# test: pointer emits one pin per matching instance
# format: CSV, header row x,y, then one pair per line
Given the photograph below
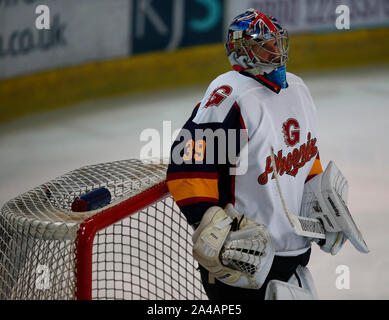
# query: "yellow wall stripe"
x,y
189,66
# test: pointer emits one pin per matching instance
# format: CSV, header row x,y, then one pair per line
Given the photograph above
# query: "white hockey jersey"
x,y
285,121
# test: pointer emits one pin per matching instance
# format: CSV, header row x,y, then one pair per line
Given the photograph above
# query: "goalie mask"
x,y
256,43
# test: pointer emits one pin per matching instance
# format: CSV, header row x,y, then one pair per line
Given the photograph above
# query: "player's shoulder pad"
x,y
220,96
296,83
293,79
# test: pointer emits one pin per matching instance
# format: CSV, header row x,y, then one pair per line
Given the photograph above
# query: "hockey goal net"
x,y
136,247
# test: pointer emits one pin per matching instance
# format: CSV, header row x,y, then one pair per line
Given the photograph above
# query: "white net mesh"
x,y
145,255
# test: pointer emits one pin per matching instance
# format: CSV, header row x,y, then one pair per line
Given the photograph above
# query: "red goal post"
x,y
137,247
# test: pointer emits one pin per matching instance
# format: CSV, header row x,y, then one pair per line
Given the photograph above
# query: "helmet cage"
x,y
278,57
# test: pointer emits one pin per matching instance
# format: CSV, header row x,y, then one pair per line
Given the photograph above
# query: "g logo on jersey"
x,y
218,95
291,131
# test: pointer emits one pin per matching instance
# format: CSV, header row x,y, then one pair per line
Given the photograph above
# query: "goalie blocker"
x,y
325,199
236,250
324,213
240,254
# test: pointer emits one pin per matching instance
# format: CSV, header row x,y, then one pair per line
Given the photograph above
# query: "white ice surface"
x,y
353,109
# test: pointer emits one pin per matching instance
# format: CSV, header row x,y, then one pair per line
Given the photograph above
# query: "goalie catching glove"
x,y
237,251
325,198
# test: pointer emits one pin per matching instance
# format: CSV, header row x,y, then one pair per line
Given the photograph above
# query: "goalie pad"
x,y
325,198
237,251
299,287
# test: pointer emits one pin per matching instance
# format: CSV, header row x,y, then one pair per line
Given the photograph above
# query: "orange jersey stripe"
x,y
196,200
182,189
316,168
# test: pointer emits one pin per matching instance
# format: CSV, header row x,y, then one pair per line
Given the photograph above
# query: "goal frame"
x,y
103,219
137,246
